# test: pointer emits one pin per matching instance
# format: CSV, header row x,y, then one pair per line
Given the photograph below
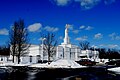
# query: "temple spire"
x,y
66,39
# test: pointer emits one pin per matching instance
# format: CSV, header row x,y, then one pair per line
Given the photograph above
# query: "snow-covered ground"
x,y
116,70
62,63
20,65
39,65
12,64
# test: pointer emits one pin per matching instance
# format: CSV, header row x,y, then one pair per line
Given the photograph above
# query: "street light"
x,y
42,51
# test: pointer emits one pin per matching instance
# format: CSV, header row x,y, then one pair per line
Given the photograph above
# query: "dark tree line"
x,y
103,52
108,53
5,50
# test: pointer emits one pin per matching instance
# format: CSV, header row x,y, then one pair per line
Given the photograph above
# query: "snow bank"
x,y
2,65
116,70
13,64
62,63
39,65
20,65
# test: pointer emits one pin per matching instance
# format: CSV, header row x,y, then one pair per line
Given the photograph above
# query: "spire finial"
x,y
67,26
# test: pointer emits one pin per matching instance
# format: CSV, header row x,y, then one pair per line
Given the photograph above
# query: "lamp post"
x,y
94,54
42,51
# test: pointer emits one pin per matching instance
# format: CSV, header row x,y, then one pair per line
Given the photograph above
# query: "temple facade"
x,y
69,51
65,50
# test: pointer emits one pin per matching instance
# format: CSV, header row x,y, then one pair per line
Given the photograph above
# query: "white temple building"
x,y
65,50
69,51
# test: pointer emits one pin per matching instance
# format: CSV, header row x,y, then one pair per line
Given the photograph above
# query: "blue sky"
x,y
96,21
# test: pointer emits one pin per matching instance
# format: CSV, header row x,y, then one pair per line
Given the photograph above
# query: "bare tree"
x,y
49,44
19,39
13,34
84,45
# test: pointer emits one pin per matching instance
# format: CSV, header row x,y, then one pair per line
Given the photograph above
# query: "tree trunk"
x,y
18,59
13,58
48,57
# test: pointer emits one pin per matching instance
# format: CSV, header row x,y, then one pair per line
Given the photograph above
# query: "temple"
x,y
65,50
69,51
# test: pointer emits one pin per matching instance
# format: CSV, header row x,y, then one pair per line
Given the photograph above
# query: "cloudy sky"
x,y
96,21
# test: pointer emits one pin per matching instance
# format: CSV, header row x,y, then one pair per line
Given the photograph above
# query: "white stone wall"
x,y
25,59
34,50
89,54
66,53
72,55
69,52
59,52
4,58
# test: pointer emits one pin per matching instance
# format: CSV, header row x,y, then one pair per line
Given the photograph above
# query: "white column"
x,y
87,52
76,54
57,56
42,50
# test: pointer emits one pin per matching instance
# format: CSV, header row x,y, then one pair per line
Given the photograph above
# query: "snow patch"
x,y
62,63
116,70
39,65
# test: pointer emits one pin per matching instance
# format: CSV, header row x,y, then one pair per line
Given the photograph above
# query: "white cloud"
x,y
102,45
88,4
62,2
98,36
113,46
109,1
82,27
109,46
40,39
4,31
84,38
89,28
117,38
75,31
94,46
114,36
60,37
85,4
86,27
51,29
34,27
